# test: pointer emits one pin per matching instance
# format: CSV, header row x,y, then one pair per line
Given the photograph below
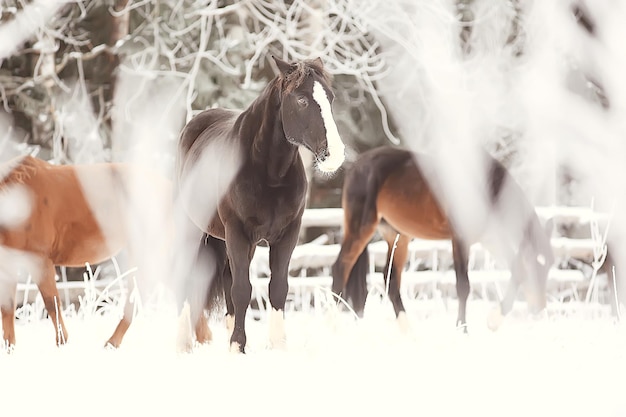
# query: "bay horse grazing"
x,y
68,215
390,189
265,196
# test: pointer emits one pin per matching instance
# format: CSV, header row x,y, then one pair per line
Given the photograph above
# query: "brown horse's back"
x,y
78,213
407,203
61,226
385,183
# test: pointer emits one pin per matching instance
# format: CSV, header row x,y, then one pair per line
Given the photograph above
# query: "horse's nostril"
x,y
324,154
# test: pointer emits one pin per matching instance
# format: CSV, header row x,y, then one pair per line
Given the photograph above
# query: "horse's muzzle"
x,y
328,161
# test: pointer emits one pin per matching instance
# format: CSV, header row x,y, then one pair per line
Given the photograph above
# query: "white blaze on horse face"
x,y
336,147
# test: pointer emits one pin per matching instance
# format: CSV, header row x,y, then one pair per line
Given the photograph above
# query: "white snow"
x,y
568,364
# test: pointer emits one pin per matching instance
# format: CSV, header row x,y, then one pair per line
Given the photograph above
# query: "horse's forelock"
x,y
300,71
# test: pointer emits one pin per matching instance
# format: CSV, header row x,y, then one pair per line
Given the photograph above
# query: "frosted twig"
x,y
60,334
393,251
600,250
618,308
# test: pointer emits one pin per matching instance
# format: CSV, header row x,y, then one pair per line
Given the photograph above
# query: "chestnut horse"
x,y
264,186
69,215
391,189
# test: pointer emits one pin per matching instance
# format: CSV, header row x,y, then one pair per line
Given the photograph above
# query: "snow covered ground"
x,y
568,364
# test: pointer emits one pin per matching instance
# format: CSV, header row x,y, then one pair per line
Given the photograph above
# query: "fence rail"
x,y
317,255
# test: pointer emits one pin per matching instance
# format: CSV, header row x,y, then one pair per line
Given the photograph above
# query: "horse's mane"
x,y
18,170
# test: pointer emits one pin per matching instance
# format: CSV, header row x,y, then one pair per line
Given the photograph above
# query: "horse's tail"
x,y
215,298
201,289
356,287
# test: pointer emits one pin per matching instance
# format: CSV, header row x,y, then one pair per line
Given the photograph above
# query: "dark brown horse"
x,y
69,215
399,192
262,189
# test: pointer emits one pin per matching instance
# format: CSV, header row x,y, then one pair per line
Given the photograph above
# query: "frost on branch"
x,y
217,52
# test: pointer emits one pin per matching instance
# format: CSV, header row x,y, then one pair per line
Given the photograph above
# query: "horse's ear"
x,y
318,62
283,66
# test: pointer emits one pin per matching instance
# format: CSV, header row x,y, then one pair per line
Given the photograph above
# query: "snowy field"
x,y
549,100
569,364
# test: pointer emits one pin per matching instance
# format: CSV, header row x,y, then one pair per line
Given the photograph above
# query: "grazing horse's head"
x,y
306,113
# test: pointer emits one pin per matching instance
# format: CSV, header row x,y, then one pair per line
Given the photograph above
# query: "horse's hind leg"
x,y
230,307
7,307
124,324
50,294
359,228
460,255
212,258
496,316
396,257
118,334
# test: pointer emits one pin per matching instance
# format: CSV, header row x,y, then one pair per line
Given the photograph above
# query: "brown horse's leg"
x,y
122,327
460,255
354,243
124,324
50,294
7,307
400,255
203,332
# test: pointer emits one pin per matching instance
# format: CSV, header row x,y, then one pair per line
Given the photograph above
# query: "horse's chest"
x,y
266,211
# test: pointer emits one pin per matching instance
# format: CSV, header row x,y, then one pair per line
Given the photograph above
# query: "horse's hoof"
x,y
278,344
181,350
540,315
205,339
61,337
184,332
461,327
495,318
109,345
278,338
205,336
403,323
230,324
236,348
9,348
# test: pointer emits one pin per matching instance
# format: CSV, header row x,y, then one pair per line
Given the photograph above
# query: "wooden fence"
x,y
427,272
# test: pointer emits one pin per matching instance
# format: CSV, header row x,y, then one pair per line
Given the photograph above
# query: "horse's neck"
x,y
270,151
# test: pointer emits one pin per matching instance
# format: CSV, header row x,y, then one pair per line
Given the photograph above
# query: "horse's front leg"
x,y
496,316
280,255
7,307
240,251
50,294
461,259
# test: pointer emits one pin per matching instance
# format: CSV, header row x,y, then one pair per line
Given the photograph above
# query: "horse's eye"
x,y
302,101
